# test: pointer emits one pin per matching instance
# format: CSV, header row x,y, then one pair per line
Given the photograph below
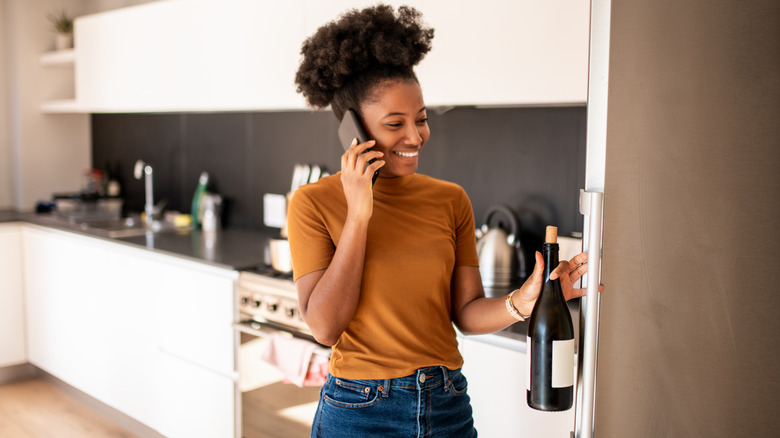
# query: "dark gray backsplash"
x,y
531,159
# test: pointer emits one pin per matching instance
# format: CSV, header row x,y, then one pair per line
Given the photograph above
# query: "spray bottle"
x,y
199,192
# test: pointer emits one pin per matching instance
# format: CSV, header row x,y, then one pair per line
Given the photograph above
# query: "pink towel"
x,y
295,358
318,371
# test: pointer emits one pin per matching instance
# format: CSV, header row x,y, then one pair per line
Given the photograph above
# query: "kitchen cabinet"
x,y
498,377
12,351
189,56
62,64
122,324
506,52
242,55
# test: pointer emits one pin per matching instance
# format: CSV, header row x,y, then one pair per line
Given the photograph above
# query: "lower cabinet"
x,y
12,350
193,401
498,376
148,334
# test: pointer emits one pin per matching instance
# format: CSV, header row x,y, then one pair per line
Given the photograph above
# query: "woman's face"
x,y
398,122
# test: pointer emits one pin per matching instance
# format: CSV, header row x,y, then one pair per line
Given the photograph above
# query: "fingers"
x,y
575,293
579,259
560,270
576,267
571,294
357,157
538,266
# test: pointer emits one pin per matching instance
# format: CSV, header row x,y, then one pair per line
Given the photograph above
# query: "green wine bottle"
x,y
550,340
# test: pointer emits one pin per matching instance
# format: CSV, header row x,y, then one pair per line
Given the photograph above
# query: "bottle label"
x,y
563,363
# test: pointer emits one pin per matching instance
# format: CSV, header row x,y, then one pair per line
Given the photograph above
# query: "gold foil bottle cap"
x,y
551,235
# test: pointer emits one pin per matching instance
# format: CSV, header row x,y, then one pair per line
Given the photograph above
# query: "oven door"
x,y
270,407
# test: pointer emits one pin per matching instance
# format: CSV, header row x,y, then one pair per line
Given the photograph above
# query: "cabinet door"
x,y
12,331
141,332
498,378
506,52
194,402
89,320
194,313
190,56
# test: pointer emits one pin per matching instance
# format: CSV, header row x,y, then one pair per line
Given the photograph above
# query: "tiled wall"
x,y
532,159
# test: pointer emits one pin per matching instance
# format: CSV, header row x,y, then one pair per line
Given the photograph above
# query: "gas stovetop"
x,y
268,271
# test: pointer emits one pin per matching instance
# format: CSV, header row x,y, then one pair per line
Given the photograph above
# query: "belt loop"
x,y
386,388
446,378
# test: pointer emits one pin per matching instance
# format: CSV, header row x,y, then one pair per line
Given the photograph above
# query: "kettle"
x,y
501,258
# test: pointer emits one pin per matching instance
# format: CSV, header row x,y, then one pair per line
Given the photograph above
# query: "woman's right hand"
x,y
356,178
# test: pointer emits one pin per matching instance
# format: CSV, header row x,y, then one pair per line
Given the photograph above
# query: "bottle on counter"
x,y
550,340
203,182
112,187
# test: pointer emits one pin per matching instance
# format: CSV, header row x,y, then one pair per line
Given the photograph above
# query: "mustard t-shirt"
x,y
420,229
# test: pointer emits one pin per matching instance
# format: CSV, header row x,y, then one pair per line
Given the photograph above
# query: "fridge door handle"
x,y
591,206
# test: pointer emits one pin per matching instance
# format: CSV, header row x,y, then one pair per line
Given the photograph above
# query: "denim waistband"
x,y
422,379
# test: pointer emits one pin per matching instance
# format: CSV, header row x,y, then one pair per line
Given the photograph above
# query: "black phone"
x,y
350,129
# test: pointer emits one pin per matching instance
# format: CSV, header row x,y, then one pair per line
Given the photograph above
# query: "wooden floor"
x,y
36,409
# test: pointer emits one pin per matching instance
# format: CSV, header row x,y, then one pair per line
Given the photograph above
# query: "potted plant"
x,y
62,24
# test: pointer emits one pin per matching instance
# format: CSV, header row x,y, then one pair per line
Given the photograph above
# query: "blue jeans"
x,y
432,402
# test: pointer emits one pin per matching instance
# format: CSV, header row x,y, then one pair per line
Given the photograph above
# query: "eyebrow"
x,y
403,114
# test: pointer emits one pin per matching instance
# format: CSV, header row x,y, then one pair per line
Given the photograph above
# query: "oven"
x,y
270,406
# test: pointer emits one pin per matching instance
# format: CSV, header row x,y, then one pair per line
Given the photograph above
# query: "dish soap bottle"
x,y
199,192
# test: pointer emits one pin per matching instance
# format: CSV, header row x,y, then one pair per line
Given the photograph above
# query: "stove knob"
x,y
257,303
244,300
290,312
273,307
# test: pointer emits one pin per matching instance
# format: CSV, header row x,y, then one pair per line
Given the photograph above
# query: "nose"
x,y
412,135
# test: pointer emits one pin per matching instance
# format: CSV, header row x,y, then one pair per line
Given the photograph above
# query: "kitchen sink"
x,y
127,227
113,228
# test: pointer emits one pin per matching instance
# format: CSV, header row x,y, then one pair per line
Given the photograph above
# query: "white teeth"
x,y
407,154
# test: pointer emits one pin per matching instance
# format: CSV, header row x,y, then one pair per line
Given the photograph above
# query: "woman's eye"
x,y
422,121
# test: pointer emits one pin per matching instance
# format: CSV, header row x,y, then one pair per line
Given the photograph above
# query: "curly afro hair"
x,y
346,59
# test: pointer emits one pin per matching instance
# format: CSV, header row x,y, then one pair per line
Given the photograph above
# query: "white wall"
x,y
40,153
6,176
47,152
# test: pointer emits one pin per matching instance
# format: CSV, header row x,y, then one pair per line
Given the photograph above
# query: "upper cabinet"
x,y
507,52
190,55
242,55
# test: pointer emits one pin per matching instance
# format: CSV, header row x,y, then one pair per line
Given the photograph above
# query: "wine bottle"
x,y
550,340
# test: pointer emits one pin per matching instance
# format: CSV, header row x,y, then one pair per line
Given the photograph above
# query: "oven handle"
x,y
265,330
258,329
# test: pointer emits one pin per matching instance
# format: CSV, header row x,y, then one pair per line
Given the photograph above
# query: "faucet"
x,y
140,170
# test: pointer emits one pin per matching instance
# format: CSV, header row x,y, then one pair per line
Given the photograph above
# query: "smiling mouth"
x,y
407,154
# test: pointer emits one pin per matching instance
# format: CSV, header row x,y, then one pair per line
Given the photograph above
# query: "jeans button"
x,y
422,378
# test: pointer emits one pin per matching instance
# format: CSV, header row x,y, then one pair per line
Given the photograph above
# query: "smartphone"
x,y
350,129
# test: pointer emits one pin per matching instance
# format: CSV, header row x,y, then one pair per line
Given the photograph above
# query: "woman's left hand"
x,y
568,271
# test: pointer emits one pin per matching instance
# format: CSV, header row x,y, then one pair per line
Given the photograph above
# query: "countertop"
x,y
235,250
229,249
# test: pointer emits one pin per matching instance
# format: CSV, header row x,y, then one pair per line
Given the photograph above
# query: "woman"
x,y
384,271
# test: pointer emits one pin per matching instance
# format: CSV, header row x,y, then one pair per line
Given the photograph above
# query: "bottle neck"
x,y
550,254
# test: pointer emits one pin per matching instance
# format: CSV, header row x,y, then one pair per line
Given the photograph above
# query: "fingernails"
x,y
354,141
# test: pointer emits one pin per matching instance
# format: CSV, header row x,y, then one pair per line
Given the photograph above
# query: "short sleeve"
x,y
465,233
311,245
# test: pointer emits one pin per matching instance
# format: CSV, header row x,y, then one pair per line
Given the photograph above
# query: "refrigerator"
x,y
682,197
